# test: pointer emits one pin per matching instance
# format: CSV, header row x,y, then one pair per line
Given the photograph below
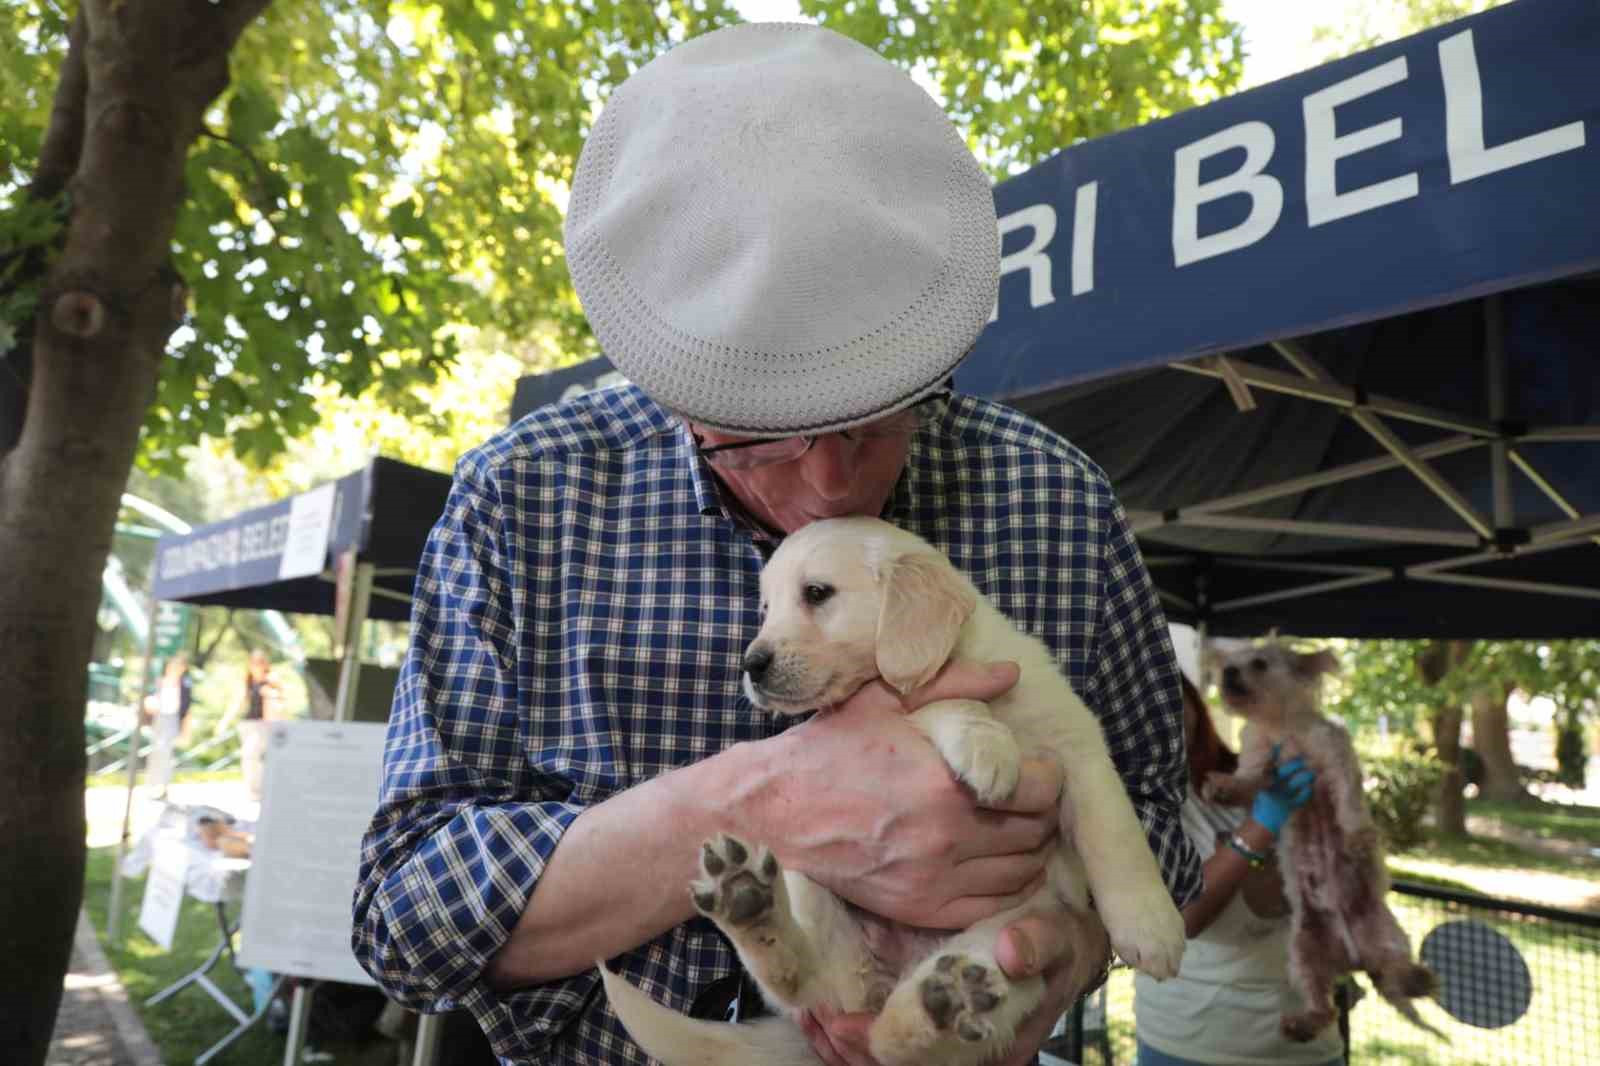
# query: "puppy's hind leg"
x,y
955,1008
745,891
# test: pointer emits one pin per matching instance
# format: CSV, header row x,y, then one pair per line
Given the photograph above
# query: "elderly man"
x,y
787,248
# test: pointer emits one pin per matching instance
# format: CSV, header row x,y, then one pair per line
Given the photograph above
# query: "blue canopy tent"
x,y
1336,340
380,518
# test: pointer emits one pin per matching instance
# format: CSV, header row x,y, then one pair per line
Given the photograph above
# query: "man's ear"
x,y
925,604
1313,664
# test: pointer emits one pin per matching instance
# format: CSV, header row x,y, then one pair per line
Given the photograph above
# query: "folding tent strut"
x,y
1354,577
1304,362
1331,392
1307,482
1504,453
1471,433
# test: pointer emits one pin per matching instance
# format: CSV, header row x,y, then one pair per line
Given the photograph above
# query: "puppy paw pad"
x,y
738,883
959,992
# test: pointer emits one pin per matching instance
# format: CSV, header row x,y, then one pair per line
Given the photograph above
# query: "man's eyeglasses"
x,y
750,454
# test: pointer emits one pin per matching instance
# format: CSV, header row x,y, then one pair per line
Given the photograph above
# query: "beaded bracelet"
x,y
1255,858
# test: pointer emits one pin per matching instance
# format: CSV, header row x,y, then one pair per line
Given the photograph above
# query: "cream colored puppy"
x,y
846,601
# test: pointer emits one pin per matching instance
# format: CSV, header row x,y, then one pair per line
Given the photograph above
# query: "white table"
x,y
214,878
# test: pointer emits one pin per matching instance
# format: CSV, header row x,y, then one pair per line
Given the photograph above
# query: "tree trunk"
x,y
134,87
1491,738
1451,816
1433,663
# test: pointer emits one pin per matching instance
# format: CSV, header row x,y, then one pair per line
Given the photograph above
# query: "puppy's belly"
x,y
895,947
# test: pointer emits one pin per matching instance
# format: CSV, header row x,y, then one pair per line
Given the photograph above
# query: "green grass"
x,y
184,1026
1563,1024
1502,854
182,777
1548,821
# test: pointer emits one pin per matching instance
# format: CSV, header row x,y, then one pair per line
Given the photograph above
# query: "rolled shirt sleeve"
x,y
1134,687
466,820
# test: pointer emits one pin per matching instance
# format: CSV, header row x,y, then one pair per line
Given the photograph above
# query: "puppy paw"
x,y
739,886
960,995
1146,930
988,761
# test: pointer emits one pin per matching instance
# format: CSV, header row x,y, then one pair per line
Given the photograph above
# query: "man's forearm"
x,y
621,873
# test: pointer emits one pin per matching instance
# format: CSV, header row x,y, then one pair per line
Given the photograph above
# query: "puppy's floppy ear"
x,y
925,604
1313,664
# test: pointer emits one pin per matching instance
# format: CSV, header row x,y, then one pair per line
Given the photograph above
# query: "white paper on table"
x,y
163,891
305,546
318,793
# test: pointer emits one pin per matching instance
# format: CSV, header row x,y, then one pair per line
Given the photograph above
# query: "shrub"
x,y
1571,758
1401,783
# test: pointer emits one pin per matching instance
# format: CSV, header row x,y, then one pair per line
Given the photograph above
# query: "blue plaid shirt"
x,y
580,614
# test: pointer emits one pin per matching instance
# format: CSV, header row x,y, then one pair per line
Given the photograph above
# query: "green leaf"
x,y
252,113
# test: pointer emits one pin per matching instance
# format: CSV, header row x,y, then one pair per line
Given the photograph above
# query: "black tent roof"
x,y
384,511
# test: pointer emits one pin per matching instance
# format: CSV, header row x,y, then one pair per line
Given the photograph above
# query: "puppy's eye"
x,y
816,594
1258,664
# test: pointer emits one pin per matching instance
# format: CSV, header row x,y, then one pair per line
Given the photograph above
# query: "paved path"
x,y
96,1025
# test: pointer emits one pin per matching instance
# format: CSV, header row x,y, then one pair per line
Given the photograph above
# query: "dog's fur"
x,y
1330,854
847,601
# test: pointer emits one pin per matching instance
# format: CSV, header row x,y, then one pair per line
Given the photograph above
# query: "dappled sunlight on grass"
x,y
184,1026
1503,870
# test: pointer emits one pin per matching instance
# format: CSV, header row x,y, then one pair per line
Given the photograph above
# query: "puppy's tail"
x,y
678,1040
1400,984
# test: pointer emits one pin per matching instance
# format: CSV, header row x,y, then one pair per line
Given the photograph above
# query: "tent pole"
x,y
1495,361
350,667
114,916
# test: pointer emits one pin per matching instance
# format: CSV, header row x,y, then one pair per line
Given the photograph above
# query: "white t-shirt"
x,y
1225,1003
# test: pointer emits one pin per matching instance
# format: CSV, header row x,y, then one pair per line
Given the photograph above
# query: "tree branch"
x,y
63,141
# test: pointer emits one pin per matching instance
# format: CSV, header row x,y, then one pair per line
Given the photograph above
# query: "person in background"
x,y
1223,1007
258,704
173,692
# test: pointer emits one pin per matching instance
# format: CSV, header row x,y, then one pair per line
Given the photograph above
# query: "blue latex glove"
x,y
1290,790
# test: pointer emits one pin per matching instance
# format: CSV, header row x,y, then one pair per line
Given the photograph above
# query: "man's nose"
x,y
756,663
829,467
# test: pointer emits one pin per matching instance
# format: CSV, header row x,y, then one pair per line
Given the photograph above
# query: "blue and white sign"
x,y
1454,163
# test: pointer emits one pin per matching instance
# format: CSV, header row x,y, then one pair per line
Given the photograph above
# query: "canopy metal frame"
x,y
1484,539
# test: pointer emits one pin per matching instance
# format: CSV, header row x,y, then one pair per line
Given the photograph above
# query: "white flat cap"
x,y
773,230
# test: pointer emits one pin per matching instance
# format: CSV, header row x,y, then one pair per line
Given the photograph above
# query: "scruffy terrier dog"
x,y
1330,853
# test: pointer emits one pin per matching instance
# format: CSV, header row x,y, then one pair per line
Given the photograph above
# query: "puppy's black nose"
x,y
1230,676
756,663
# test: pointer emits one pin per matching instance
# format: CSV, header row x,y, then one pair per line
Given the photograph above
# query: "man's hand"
x,y
871,811
1037,944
